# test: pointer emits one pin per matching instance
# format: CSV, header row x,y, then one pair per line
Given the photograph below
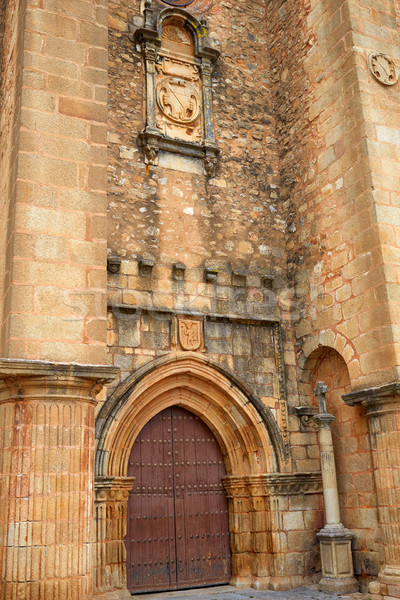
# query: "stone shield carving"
x,y
178,100
190,334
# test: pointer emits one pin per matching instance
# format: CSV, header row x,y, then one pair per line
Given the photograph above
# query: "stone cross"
x,y
321,391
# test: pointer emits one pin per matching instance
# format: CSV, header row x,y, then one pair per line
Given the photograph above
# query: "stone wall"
x,y
56,300
11,33
229,222
339,183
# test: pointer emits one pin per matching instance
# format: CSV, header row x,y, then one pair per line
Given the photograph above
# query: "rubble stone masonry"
x,y
139,271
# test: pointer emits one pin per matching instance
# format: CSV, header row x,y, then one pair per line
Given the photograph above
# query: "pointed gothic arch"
x,y
245,429
248,436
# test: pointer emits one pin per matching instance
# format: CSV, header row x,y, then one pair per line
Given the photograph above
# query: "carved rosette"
x,y
179,60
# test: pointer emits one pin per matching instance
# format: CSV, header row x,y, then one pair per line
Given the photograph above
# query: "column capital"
x,y
324,420
41,380
112,488
376,400
273,484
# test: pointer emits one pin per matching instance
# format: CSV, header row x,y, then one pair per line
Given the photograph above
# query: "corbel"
x,y
146,266
210,274
178,271
113,264
306,414
239,278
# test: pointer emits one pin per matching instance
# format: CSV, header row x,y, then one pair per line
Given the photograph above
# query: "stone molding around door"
x,y
258,491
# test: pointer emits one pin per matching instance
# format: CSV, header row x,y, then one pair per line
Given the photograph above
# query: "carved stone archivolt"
x,y
178,61
282,383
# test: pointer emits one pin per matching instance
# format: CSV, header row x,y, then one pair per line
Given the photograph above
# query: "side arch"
x,y
245,429
352,449
316,344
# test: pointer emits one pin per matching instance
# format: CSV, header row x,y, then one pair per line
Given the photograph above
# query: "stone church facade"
x,y
200,214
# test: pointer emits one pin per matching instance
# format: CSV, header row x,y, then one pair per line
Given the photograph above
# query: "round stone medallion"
x,y
383,68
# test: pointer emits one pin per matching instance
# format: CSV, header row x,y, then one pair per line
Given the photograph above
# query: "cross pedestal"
x,y
335,539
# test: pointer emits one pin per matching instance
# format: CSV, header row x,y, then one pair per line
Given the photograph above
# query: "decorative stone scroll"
x,y
306,415
178,61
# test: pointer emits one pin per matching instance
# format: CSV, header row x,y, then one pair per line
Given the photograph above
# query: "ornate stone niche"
x,y
178,60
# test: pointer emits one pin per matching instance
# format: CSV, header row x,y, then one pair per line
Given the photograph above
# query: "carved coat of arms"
x,y
178,100
190,334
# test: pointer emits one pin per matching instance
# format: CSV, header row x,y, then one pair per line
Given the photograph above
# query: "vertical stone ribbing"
x,y
111,498
261,538
263,515
46,479
381,406
384,430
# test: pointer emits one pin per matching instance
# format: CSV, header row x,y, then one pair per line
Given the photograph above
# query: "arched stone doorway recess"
x,y
353,457
256,460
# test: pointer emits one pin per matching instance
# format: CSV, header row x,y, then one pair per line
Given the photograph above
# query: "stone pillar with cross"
x,y
335,539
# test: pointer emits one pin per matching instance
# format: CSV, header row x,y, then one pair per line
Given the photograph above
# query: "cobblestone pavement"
x,y
227,592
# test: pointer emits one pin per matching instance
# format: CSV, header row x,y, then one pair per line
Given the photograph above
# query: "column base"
x,y
337,560
261,583
114,595
240,582
387,585
338,586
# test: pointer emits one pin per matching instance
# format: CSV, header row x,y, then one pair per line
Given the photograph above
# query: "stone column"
x,y
335,539
111,499
46,478
382,408
260,527
239,528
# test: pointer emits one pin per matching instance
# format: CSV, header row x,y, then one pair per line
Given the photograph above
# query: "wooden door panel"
x,y
177,511
150,540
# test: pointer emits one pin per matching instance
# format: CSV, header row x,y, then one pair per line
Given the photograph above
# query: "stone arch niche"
x,y
178,58
253,449
353,458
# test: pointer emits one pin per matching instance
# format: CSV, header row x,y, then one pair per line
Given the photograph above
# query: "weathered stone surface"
x,y
290,242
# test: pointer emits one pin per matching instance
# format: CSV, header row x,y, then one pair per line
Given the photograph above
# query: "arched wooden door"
x,y
177,533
